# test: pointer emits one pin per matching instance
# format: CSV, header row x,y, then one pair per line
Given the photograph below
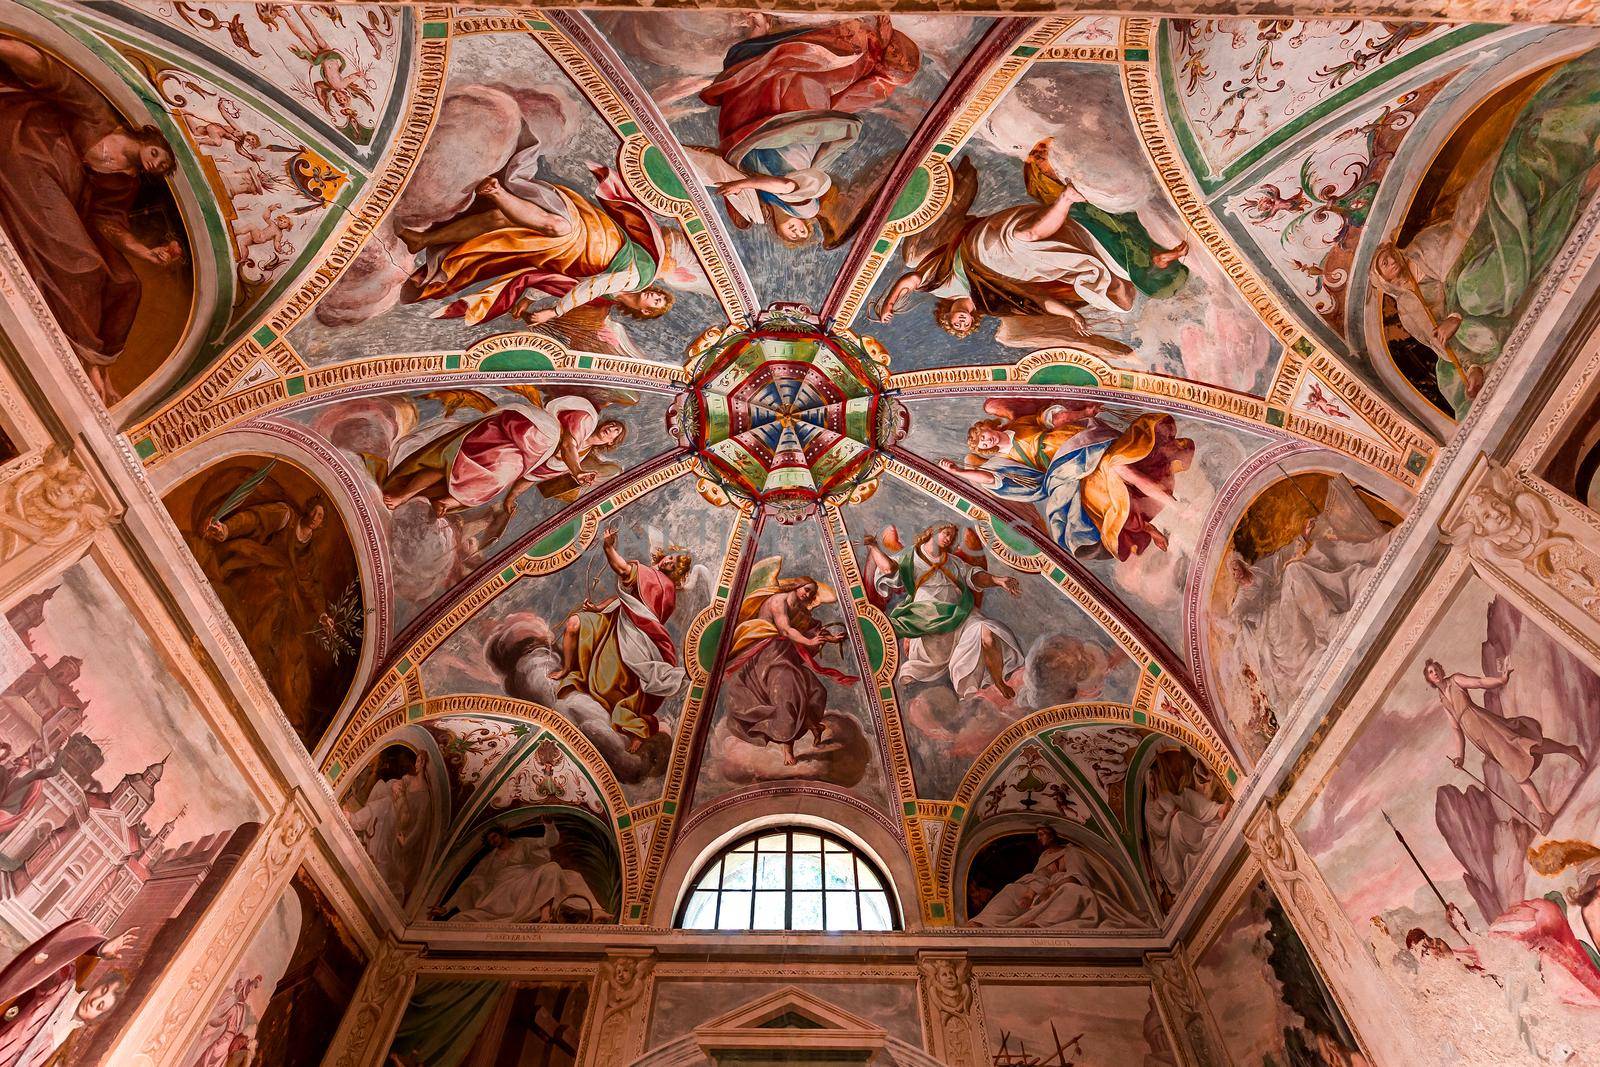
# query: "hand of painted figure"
x,y
115,946
536,318
167,255
1010,584
216,530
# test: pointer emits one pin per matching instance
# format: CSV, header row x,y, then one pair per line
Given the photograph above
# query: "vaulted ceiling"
x,y
936,393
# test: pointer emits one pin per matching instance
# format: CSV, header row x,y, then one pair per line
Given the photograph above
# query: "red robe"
x,y
33,985
849,66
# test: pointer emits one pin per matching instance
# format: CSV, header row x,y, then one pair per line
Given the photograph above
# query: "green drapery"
x,y
443,1020
922,618
1536,190
1127,241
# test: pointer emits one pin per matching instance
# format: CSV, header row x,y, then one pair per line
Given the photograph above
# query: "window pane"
x,y
701,913
865,877
807,911
842,912
709,879
788,879
875,912
771,871
841,870
769,911
807,872
737,870
735,914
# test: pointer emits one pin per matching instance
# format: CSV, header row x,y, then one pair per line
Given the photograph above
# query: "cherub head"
x,y
987,437
956,320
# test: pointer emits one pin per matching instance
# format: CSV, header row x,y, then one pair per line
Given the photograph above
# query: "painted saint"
x,y
72,173
932,591
518,879
618,651
1477,242
1300,557
1066,888
1100,477
55,987
553,257
773,683
555,443
287,575
1061,258
788,106
393,820
1184,803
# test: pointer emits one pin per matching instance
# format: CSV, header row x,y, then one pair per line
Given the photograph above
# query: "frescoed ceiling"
x,y
968,421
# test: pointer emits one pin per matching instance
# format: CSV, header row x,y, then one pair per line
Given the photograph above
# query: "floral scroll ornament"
x,y
1505,523
1271,844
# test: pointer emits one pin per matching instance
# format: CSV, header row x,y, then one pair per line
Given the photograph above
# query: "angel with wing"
x,y
773,682
524,241
552,439
932,591
1044,268
1100,477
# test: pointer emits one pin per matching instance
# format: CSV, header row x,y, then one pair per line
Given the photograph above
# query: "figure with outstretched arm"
x,y
618,651
1517,745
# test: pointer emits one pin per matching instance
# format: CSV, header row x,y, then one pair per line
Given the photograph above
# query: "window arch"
x,y
789,878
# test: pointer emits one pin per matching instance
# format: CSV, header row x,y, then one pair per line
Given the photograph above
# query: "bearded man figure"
x,y
773,684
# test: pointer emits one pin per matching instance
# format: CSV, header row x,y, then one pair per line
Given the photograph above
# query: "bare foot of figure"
x,y
1004,688
635,743
1168,257
788,754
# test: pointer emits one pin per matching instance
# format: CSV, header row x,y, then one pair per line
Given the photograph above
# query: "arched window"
x,y
800,879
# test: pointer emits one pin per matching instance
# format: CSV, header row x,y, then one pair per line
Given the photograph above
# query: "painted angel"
x,y
773,682
1099,478
558,260
1046,269
553,439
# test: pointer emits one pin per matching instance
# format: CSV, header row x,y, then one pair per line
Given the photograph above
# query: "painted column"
x,y
375,1010
951,1012
1189,1024
619,1015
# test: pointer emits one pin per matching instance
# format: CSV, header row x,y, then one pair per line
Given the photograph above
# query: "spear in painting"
x,y
1450,910
1492,792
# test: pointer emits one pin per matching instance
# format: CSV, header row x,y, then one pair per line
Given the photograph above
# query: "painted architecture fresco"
x,y
1004,435
123,820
